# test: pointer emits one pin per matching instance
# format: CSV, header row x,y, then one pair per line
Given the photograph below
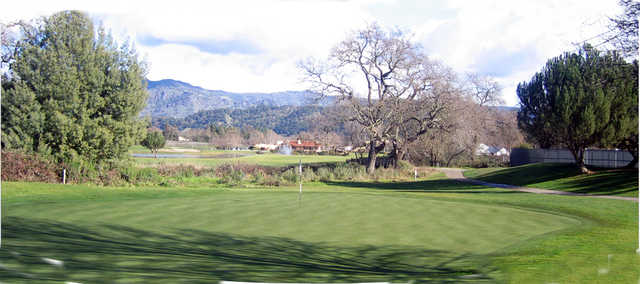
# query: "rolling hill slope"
x,y
172,98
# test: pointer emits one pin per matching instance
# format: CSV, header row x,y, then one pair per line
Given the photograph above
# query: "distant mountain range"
x,y
180,104
284,120
172,98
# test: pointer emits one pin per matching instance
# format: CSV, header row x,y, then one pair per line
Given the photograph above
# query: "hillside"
x,y
284,120
172,98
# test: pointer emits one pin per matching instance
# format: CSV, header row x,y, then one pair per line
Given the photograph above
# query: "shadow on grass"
x,y
607,183
443,186
99,254
566,177
530,174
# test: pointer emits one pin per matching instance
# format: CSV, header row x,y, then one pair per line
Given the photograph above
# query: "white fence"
x,y
597,158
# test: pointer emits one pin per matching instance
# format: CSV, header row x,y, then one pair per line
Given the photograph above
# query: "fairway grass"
x,y
266,159
432,230
564,177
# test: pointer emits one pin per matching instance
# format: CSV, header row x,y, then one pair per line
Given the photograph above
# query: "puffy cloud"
x,y
250,46
511,40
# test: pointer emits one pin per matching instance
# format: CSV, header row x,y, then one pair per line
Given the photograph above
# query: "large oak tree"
x,y
378,75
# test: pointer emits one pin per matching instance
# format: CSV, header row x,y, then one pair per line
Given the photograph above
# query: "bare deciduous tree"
x,y
373,72
442,146
255,137
623,30
270,137
425,111
484,89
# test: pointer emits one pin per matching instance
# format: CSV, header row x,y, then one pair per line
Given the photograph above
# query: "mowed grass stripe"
x,y
564,177
333,217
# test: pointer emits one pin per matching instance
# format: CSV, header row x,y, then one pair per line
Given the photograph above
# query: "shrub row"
x,y
25,167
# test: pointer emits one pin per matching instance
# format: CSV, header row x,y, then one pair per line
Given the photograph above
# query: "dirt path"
x,y
457,175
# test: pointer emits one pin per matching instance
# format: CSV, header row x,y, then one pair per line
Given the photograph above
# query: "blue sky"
x,y
253,46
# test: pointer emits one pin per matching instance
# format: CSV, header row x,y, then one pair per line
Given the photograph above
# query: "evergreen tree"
x,y
71,92
625,117
580,100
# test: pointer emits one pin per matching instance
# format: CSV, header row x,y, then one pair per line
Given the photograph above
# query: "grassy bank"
x,y
564,177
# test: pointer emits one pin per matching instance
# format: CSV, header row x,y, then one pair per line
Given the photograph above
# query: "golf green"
x,y
338,218
179,235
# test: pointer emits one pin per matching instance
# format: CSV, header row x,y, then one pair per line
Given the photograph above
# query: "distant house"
x,y
305,146
182,139
483,149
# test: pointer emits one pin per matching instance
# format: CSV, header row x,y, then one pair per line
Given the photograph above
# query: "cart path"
x,y
456,174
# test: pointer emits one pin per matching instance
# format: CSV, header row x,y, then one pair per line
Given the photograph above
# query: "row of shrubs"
x,y
26,167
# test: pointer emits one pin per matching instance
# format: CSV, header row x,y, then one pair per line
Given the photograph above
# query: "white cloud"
x,y
283,32
248,46
523,34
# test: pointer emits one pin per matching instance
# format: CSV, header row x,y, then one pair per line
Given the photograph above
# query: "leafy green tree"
x,y
71,92
580,100
624,120
154,141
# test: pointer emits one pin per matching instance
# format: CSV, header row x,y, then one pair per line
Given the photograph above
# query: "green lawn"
x,y
268,159
563,177
435,230
201,149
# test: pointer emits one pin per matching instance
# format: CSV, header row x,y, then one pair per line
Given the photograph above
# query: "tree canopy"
x,y
153,141
580,100
71,92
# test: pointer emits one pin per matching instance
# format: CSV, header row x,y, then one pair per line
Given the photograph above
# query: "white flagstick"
x,y
300,175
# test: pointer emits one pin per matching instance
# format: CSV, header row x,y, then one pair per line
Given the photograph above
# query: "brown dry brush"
x,y
29,167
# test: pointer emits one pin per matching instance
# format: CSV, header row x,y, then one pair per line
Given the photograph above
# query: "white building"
x,y
483,149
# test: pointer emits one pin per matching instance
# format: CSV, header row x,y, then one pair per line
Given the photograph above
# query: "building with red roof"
x,y
305,146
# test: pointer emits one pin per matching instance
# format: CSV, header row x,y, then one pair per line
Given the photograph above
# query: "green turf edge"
x,y
563,177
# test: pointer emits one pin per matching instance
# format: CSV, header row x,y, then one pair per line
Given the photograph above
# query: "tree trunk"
x,y
397,154
578,155
400,156
372,157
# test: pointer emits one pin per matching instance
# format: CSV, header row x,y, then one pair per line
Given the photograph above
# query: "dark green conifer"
x,y
70,92
580,100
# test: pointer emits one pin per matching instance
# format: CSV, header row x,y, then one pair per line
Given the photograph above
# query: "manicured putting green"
x,y
337,218
429,231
